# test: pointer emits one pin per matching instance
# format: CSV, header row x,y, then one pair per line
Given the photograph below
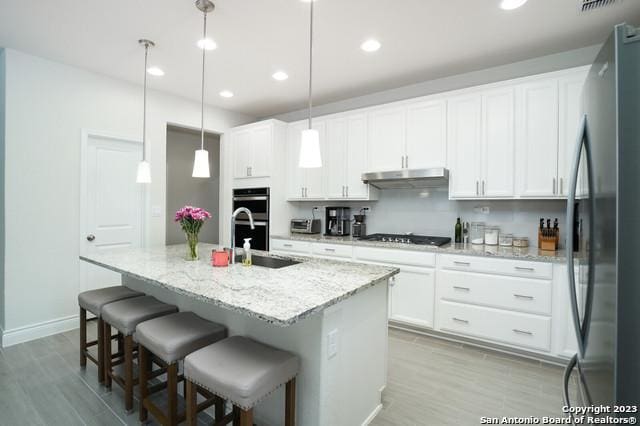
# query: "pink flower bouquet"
x,y
191,220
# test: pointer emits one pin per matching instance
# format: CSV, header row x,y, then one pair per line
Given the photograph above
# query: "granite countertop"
x,y
279,296
527,253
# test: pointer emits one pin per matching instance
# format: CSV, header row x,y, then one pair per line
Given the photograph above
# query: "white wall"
x,y
47,106
431,213
2,171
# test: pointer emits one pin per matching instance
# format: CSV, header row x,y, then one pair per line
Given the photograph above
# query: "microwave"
x,y
305,226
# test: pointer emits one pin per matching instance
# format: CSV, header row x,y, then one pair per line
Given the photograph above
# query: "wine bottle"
x,y
458,232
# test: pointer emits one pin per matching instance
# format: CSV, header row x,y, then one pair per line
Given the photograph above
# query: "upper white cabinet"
x,y
426,134
570,90
387,143
305,184
464,115
346,157
498,142
252,150
537,138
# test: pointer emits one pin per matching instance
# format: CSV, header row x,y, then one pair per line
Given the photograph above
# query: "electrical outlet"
x,y
332,344
156,211
482,209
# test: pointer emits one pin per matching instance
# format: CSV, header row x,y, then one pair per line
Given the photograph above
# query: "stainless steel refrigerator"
x,y
603,219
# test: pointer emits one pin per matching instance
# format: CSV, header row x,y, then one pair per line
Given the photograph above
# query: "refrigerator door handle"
x,y
581,329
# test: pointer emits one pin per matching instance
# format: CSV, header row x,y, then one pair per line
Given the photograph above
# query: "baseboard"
x,y
36,331
372,416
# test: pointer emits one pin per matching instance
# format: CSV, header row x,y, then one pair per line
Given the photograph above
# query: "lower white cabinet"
x,y
412,296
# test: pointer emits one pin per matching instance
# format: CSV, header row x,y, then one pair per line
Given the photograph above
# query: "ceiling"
x,y
421,40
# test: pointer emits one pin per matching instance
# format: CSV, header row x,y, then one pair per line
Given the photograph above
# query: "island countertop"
x,y
279,296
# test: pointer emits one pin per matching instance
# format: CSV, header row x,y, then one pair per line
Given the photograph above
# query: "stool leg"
x,y
106,331
246,417
101,343
83,337
143,365
128,372
172,390
290,403
219,408
120,342
192,403
236,416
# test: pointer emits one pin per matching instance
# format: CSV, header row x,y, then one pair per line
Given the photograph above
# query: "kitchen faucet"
x,y
233,229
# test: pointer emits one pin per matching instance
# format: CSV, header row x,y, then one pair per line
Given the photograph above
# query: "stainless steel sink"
x,y
269,262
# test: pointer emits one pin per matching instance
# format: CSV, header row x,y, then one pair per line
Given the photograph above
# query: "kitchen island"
x,y
333,315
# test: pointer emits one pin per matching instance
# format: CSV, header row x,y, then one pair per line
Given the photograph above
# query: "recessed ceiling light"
x,y
370,45
207,44
511,4
280,75
226,94
155,71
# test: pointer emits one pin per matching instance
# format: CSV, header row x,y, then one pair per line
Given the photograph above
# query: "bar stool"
x,y
244,372
124,316
171,338
93,301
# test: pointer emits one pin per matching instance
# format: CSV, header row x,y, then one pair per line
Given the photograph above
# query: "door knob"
x,y
91,237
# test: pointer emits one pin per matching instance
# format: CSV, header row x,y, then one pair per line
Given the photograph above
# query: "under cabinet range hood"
x,y
408,178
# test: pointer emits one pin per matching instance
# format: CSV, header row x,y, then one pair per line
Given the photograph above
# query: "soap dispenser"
x,y
246,257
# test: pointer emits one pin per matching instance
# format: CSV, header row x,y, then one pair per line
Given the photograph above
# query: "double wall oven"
x,y
257,201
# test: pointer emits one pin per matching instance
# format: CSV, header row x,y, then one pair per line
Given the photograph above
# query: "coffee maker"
x,y
359,227
337,221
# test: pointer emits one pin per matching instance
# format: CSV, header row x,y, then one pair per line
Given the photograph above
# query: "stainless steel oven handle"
x,y
251,198
246,222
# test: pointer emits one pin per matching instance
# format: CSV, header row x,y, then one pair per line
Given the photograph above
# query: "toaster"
x,y
305,226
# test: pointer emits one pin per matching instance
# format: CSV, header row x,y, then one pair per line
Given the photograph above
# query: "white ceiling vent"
x,y
589,5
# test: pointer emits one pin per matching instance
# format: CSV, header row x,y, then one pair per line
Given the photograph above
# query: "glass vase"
x,y
192,246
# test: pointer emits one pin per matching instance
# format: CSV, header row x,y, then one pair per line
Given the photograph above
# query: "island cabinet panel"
x,y
500,326
412,296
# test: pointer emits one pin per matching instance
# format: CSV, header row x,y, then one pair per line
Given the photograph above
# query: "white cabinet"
x,y
304,183
464,118
387,132
412,296
252,150
346,157
481,137
537,139
498,142
426,135
570,89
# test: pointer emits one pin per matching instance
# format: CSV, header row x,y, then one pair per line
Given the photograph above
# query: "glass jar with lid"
x,y
505,240
491,234
477,233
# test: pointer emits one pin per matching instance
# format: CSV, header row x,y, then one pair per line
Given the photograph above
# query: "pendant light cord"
x,y
310,61
144,105
204,37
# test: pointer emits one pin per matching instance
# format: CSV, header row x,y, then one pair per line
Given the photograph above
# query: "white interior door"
x,y
110,203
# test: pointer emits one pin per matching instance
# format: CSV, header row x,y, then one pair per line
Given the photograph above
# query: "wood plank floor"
x,y
431,382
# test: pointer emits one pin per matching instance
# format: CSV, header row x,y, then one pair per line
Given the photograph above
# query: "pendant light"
x,y
201,160
144,168
310,156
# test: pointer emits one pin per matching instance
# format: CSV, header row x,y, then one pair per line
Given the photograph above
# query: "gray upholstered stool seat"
x,y
125,315
241,370
172,337
94,300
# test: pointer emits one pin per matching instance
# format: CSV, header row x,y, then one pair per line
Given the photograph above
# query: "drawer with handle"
x,y
332,250
302,247
394,256
517,294
512,328
518,268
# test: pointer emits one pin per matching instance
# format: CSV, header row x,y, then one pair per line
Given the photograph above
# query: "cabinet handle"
x,y
528,333
288,245
460,320
402,161
522,296
554,186
461,288
456,262
482,187
347,190
561,186
306,192
301,192
477,190
329,249
406,161
392,281
522,268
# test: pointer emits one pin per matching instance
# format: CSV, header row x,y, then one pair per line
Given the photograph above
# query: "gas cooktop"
x,y
408,239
